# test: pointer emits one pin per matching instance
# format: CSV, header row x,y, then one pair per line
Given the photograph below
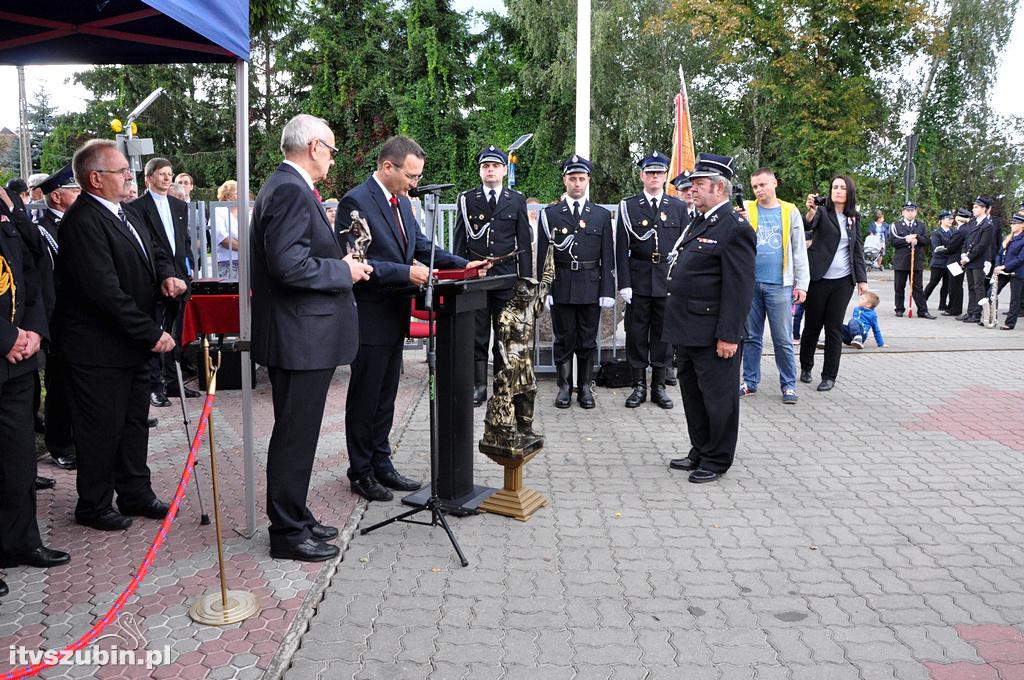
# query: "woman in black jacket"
x,y
836,258
940,244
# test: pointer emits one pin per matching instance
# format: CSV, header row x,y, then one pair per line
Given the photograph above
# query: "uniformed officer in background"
x,y
974,257
581,234
491,221
649,225
710,289
908,234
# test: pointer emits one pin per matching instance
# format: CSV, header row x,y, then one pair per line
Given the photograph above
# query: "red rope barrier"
x,y
53,658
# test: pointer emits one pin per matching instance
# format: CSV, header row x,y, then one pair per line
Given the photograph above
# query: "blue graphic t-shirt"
x,y
769,246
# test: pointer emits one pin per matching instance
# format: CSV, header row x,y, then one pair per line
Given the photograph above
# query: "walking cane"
x,y
910,304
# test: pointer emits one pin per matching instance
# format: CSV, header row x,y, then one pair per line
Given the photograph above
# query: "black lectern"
x,y
455,302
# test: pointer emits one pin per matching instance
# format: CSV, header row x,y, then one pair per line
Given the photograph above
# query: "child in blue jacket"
x,y
864,319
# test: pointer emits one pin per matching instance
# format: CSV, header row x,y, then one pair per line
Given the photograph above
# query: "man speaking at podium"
x,y
382,200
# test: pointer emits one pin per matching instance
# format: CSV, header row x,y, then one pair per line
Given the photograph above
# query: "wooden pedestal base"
x,y
514,500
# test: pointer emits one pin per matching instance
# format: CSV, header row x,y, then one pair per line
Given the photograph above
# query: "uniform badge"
x,y
663,217
482,216
644,223
583,225
565,230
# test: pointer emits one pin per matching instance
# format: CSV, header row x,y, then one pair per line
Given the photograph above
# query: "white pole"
x,y
583,78
244,316
24,148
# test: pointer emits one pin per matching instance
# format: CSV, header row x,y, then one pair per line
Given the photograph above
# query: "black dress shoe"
x,y
947,313
637,396
370,489
660,398
45,483
42,557
683,463
189,392
310,550
899,313
826,385
152,422
393,480
155,509
700,476
108,520
68,462
926,315
322,532
3,588
159,399
805,377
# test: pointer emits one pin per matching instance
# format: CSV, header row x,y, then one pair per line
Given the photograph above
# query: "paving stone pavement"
x,y
874,531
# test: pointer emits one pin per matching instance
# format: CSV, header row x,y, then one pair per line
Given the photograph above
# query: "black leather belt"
x,y
654,258
576,265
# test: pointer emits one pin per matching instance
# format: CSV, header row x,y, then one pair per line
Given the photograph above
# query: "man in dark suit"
x,y
304,325
166,219
491,221
397,248
22,331
906,235
711,286
974,257
109,276
648,226
581,234
60,191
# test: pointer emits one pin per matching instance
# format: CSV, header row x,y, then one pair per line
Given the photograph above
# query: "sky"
x,y
1007,94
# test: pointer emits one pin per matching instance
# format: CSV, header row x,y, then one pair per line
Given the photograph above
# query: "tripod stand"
x,y
432,503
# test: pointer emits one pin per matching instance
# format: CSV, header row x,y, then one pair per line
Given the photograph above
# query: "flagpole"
x,y
583,78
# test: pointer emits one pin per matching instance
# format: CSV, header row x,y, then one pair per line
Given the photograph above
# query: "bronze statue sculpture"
x,y
359,237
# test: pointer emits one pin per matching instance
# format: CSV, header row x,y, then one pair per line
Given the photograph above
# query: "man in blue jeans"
x,y
781,278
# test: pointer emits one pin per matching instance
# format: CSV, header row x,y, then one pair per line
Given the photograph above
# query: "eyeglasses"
x,y
330,149
124,172
411,178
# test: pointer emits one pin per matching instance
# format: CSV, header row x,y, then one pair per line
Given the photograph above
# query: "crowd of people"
x,y
94,285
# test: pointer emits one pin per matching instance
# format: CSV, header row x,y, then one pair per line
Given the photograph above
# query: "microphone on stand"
x,y
416,192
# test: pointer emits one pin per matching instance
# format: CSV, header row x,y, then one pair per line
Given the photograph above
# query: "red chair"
x,y
419,330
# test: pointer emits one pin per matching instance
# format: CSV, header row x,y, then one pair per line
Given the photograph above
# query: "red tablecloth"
x,y
208,315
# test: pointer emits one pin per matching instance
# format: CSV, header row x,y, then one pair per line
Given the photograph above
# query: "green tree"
x,y
41,121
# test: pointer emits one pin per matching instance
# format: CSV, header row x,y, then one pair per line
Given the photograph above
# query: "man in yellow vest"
x,y
781,278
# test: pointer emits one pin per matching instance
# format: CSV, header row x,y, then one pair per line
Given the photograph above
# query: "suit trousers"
x,y
575,330
939,275
976,280
644,321
955,305
19,531
825,308
485,323
899,278
711,402
59,439
162,375
1016,285
370,407
109,409
299,400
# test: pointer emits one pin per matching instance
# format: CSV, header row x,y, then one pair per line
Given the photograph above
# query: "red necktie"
x,y
317,194
398,221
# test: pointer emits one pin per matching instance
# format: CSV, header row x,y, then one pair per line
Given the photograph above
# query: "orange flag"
x,y
683,155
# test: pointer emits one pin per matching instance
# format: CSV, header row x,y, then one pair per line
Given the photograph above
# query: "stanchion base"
x,y
519,504
209,609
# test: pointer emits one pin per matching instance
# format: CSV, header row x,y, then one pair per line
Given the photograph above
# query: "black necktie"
x,y
654,204
129,227
492,201
576,210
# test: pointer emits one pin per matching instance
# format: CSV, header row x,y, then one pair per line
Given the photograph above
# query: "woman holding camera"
x,y
836,258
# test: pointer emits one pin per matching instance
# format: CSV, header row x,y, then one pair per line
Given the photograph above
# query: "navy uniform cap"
x,y
1018,219
963,212
682,181
709,165
944,214
983,201
17,185
655,162
63,178
492,154
576,163
910,206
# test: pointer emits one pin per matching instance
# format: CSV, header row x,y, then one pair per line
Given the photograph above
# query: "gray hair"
x,y
726,184
86,159
300,131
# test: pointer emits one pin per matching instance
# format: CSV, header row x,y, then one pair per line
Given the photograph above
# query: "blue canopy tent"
x,y
152,32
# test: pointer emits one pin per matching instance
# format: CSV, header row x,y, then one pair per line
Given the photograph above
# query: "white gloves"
x,y
548,301
940,249
607,303
987,267
627,295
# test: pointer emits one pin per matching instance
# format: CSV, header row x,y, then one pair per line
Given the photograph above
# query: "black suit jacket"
x,y
48,264
28,311
383,315
107,288
303,311
977,242
509,230
143,210
823,231
643,264
901,249
592,249
711,281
